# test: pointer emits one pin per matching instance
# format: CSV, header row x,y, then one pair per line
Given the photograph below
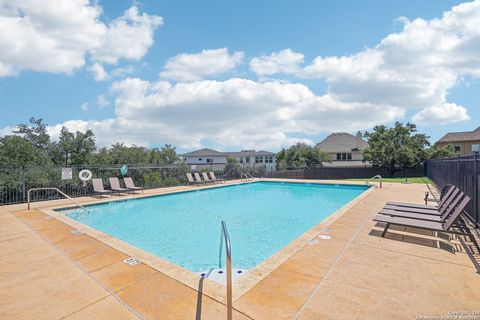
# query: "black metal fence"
x,y
326,173
464,172
15,182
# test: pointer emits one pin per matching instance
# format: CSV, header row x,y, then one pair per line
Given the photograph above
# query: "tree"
x,y
437,152
397,148
73,148
36,133
232,168
16,151
300,156
166,155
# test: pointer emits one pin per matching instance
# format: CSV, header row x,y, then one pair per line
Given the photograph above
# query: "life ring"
x,y
85,175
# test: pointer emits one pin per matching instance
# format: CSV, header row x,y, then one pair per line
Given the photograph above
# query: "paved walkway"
x,y
47,272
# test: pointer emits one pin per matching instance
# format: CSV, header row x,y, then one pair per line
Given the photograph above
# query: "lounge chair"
x,y
425,214
191,180
98,187
115,186
212,174
452,192
452,200
207,179
198,178
130,185
444,226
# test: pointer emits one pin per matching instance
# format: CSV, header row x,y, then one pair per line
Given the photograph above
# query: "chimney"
x,y
359,140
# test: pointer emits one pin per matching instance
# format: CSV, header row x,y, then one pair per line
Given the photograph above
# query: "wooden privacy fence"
x,y
464,172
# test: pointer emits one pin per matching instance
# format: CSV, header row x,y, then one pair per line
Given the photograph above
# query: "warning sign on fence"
x,y
67,173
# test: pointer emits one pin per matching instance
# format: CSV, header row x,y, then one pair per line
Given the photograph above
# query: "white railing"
x,y
373,178
59,191
224,237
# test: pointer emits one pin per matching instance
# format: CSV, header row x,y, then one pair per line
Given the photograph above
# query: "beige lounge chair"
x,y
130,185
115,186
98,187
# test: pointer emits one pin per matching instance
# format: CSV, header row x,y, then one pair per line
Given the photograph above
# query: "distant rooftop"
x,y
461,136
342,142
210,152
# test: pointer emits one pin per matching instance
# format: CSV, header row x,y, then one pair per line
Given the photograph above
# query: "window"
x,y
269,159
199,159
258,159
209,160
475,148
247,159
344,156
458,149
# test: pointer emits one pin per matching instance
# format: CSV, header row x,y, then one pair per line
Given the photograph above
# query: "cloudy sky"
x,y
244,74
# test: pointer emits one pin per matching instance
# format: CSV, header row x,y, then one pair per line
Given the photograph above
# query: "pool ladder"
x,y
373,178
224,237
59,191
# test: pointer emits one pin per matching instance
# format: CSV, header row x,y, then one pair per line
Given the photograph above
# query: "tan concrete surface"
x,y
46,272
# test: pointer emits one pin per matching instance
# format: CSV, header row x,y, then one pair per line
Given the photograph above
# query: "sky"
x,y
239,75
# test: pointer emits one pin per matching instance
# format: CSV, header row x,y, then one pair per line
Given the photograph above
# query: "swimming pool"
x,y
184,228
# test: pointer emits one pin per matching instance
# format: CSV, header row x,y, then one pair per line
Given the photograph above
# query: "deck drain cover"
x,y
326,230
324,237
312,242
76,232
131,261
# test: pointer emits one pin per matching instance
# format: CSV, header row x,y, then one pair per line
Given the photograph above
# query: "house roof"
x,y
461,136
341,142
203,153
244,153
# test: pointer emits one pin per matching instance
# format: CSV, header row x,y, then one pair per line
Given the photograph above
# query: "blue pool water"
x,y
184,228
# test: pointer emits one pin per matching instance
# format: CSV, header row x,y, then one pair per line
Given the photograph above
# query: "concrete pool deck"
x,y
47,272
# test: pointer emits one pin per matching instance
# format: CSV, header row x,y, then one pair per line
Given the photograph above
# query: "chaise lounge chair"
x,y
98,187
212,174
192,181
445,226
115,186
198,178
450,193
207,179
425,214
130,185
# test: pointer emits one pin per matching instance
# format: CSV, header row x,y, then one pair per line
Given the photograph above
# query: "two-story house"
x,y
344,149
464,143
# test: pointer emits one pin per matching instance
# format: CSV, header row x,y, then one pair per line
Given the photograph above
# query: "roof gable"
x,y
341,142
461,136
203,153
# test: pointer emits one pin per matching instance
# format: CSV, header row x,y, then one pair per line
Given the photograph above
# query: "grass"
x,y
399,180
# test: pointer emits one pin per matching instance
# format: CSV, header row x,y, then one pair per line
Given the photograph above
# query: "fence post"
x,y
475,188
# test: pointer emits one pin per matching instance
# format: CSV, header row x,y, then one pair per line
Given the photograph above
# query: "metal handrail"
x,y
56,189
225,237
375,177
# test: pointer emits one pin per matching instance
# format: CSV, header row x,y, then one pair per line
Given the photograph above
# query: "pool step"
x,y
219,275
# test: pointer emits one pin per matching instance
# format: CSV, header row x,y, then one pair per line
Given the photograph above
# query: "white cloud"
x,y
236,113
58,36
102,101
414,68
284,61
128,36
197,66
442,114
98,72
84,106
